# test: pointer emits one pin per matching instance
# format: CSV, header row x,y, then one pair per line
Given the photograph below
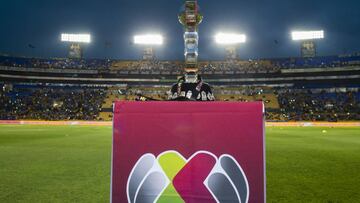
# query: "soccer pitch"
x,y
72,164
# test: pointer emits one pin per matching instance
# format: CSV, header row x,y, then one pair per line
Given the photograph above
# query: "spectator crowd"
x,y
175,67
86,103
51,104
306,105
66,63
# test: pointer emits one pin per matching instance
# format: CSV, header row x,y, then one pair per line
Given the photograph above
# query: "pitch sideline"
x,y
109,123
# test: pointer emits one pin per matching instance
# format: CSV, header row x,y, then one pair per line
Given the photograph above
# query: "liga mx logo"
x,y
201,178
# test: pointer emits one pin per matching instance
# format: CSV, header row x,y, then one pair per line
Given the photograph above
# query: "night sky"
x,y
33,27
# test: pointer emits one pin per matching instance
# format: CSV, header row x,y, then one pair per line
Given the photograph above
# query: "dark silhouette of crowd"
x,y
237,66
318,62
171,67
143,66
307,105
85,104
51,104
64,63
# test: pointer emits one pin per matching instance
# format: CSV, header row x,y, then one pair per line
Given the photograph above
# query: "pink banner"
x,y
188,152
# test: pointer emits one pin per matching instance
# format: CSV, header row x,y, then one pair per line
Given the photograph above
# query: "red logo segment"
x,y
189,182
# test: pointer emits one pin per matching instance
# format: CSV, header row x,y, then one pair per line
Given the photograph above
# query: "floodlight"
x,y
149,39
230,39
307,35
79,38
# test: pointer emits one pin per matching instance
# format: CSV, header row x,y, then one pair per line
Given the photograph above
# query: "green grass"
x,y
307,165
72,164
54,164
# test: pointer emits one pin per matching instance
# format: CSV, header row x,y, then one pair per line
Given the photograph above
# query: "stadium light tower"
x,y
148,41
75,40
231,41
307,38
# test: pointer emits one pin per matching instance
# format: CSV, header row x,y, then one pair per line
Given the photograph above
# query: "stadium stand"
x,y
239,66
319,62
147,66
55,63
320,105
249,93
45,103
292,89
96,104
